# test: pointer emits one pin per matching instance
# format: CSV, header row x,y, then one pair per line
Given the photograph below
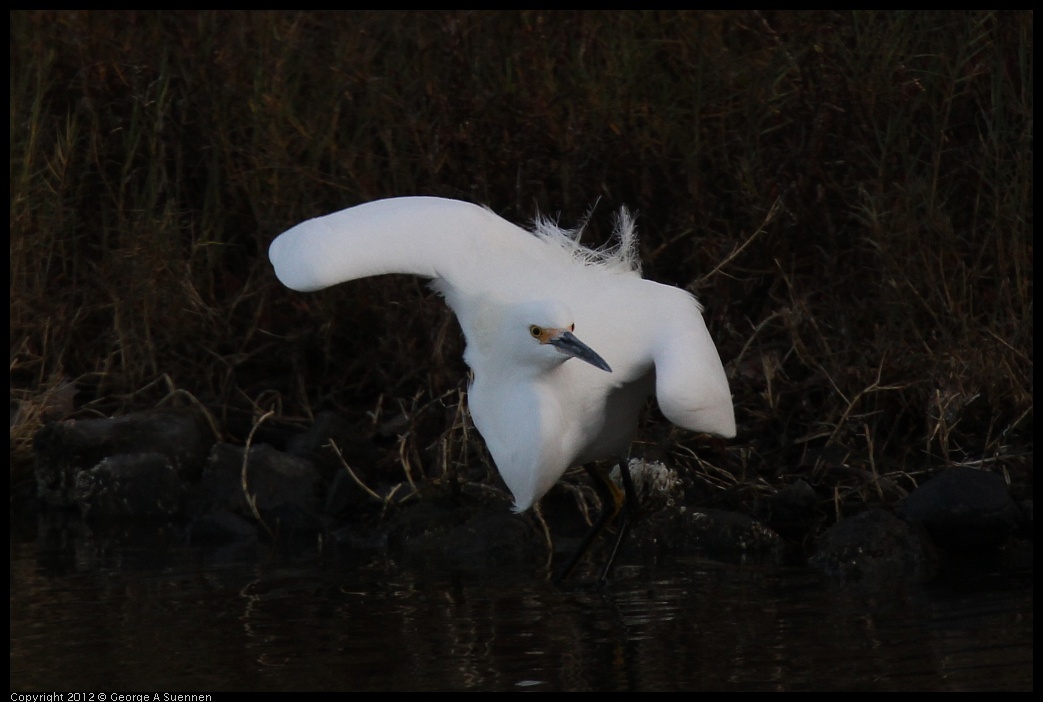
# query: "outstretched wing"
x,y
426,236
691,385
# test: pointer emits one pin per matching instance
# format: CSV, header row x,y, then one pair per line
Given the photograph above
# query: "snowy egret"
x,y
525,300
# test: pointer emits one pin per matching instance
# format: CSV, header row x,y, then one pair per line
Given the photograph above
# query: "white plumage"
x,y
542,399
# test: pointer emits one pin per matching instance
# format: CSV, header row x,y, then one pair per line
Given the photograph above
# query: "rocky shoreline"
x,y
162,467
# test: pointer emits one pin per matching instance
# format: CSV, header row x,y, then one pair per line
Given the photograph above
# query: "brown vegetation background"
x,y
848,193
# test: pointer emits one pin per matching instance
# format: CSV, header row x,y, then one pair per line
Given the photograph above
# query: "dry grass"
x,y
850,194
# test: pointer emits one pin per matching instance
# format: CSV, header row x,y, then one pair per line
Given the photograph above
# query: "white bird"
x,y
524,300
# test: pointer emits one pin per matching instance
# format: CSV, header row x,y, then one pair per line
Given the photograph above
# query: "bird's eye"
x,y
535,331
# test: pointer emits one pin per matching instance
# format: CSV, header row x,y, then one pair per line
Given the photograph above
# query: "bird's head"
x,y
549,336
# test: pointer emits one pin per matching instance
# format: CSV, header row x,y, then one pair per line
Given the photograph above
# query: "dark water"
x,y
91,617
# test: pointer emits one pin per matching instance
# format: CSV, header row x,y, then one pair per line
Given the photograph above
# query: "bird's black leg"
x,y
629,514
611,503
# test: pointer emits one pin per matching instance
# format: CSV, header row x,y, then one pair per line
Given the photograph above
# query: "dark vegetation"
x,y
848,193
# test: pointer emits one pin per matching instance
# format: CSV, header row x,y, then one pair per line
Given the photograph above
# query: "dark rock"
x,y
714,533
874,549
417,528
286,491
492,541
463,533
330,426
147,466
798,496
966,511
359,539
220,528
65,449
794,511
346,497
130,486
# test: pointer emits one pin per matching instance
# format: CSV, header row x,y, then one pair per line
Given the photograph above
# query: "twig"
x,y
767,220
336,449
252,499
546,535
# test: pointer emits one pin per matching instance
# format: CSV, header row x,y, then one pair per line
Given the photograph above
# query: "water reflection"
x,y
86,618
